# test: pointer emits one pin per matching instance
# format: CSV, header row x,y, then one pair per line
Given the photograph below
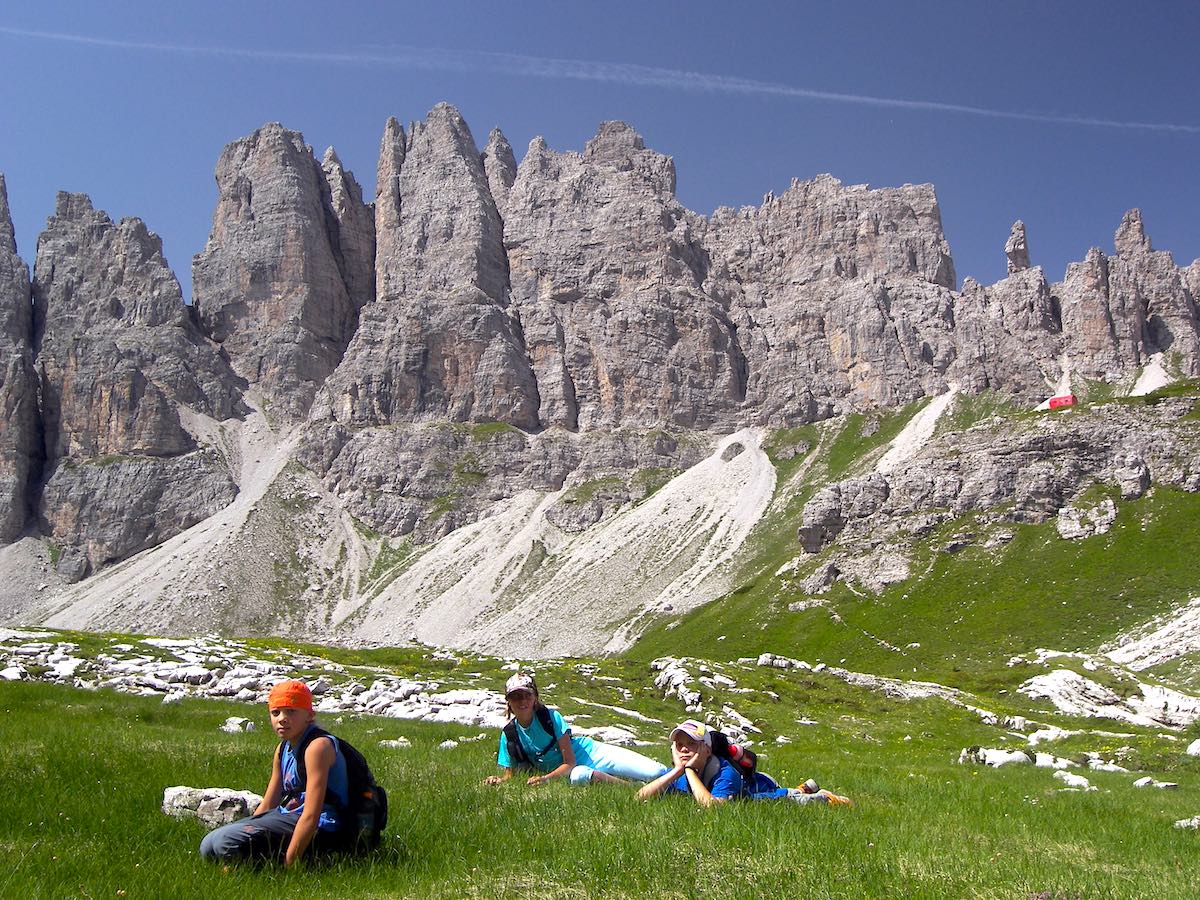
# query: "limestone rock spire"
x,y
19,448
1016,249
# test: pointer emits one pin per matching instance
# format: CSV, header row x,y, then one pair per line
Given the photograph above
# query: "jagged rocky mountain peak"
x,y
501,166
90,270
1130,238
286,266
1016,249
73,205
487,331
19,412
8,239
615,142
387,172
445,129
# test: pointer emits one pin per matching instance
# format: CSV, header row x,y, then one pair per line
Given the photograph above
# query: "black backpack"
x,y
743,759
516,753
365,816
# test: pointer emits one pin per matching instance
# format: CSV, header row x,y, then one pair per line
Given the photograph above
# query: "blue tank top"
x,y
338,785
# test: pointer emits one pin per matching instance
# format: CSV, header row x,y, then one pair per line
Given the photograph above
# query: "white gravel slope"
x,y
486,586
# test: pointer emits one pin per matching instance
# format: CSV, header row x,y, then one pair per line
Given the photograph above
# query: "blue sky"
x,y
1063,114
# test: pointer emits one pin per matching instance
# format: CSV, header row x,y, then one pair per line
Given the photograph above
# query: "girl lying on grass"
x,y
295,816
711,780
537,738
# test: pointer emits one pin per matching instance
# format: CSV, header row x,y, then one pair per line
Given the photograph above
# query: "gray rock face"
x,y
842,297
1016,249
430,478
562,324
1027,474
501,167
1118,311
101,510
607,273
118,354
1008,336
438,342
279,282
353,232
19,419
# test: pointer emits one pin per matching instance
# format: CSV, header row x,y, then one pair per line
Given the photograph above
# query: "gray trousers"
x,y
262,837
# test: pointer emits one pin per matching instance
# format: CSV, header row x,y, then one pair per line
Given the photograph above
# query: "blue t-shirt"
x,y
338,785
725,784
534,739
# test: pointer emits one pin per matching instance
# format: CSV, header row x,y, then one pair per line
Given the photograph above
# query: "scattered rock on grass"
x,y
447,745
237,725
1097,764
1049,761
610,734
1193,822
1074,781
994,758
400,743
1150,782
212,806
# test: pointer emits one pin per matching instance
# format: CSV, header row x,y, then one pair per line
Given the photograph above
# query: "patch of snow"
x,y
1064,383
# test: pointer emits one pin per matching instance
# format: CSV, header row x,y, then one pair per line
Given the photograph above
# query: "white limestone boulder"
x,y
995,758
212,806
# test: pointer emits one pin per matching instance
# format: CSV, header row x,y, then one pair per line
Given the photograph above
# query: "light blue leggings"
x,y
620,762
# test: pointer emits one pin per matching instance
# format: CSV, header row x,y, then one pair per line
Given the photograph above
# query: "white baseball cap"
x,y
520,682
697,731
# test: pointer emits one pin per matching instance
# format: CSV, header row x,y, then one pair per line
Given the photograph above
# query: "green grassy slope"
x,y
83,774
960,616
968,611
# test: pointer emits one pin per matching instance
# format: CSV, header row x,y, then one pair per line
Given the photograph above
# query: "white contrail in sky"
x,y
583,70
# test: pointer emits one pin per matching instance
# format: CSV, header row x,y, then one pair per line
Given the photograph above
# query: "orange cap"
x,y
292,694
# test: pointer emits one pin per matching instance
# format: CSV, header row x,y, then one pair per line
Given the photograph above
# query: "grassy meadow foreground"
x,y
83,774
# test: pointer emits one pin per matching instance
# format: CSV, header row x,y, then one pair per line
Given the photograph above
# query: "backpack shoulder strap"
x,y
516,753
301,774
545,719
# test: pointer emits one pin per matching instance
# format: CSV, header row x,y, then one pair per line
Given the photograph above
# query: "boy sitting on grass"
x,y
711,780
300,811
